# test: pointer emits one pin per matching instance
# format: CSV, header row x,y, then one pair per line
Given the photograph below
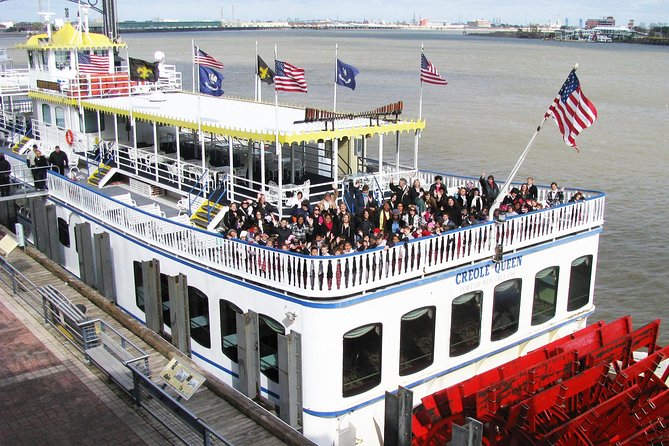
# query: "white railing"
x,y
14,81
336,276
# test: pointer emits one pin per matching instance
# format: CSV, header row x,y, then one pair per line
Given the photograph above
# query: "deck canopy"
x,y
242,119
69,38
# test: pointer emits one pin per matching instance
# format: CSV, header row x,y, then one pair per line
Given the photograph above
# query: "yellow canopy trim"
x,y
69,37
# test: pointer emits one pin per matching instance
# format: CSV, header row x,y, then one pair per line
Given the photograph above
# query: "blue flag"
x,y
210,81
346,74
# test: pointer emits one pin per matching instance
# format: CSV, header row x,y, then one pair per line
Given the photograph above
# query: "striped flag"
x,y
289,77
93,63
571,110
428,72
205,60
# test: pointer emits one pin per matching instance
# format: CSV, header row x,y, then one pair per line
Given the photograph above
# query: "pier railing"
x,y
316,277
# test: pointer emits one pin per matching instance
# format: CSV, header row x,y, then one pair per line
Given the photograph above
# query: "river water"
x,y
498,92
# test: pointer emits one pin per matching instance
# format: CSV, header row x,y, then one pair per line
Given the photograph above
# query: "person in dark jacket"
x,y
39,170
5,172
59,160
489,189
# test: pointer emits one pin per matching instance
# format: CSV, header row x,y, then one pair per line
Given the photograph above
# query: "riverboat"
x,y
326,341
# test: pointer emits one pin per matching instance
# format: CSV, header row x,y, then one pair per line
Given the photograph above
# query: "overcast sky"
x,y
506,11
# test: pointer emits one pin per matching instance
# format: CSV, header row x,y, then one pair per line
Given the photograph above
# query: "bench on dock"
x,y
111,352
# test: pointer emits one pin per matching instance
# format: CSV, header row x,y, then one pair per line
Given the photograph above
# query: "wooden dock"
x,y
232,415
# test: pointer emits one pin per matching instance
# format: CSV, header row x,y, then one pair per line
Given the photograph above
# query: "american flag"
x,y
571,110
428,72
289,77
93,63
204,59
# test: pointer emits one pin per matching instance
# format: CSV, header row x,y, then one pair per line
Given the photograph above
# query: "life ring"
x,y
69,137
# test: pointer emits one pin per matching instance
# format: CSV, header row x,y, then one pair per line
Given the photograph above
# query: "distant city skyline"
x,y
505,11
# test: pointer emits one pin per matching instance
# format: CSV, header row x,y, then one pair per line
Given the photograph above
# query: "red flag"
x,y
571,110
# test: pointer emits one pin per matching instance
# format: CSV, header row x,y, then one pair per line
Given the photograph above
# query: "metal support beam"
x,y
105,270
153,305
248,354
397,423
179,312
290,379
82,235
40,226
53,236
471,434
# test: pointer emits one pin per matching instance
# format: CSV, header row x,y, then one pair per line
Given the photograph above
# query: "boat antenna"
x,y
516,167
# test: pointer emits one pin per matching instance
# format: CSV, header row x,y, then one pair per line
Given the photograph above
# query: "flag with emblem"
x,y
265,74
289,77
429,73
141,70
346,74
211,81
571,110
93,63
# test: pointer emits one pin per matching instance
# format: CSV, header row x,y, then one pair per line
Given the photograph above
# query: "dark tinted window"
x,y
362,359
506,309
417,340
466,323
544,302
579,283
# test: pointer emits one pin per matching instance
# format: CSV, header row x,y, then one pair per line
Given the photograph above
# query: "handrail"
x,y
315,277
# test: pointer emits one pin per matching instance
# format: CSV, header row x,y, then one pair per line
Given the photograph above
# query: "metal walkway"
x,y
225,419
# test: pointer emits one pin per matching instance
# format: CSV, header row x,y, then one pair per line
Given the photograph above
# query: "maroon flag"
x,y
429,73
571,110
289,77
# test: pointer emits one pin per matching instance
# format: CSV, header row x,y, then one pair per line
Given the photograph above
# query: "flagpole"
x,y
516,167
420,99
192,41
334,105
132,117
256,79
279,173
199,111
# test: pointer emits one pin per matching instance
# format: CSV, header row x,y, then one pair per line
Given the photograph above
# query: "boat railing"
x,y
317,277
14,81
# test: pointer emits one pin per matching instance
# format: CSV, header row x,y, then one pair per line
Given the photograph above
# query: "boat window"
x,y
165,299
31,59
60,117
268,329
198,305
229,313
362,359
506,309
46,114
466,323
89,122
545,295
417,340
139,284
42,61
63,60
63,232
579,283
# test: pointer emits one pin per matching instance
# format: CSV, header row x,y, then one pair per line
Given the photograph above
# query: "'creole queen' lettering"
x,y
484,271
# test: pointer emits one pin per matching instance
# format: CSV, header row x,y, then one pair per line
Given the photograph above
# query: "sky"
x,y
504,11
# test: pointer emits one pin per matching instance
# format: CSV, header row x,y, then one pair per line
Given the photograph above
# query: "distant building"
x,y
424,22
479,23
605,21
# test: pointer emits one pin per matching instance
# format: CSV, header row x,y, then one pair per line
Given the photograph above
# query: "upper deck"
x,y
351,274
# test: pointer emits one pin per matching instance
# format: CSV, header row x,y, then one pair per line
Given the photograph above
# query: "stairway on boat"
x,y
99,174
209,212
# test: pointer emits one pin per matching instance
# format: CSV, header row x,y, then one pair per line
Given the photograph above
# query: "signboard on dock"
x,y
181,378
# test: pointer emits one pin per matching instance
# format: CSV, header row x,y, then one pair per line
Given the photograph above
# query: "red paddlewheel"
x,y
584,389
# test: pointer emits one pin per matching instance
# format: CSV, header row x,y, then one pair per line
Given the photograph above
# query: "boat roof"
x,y
68,38
238,118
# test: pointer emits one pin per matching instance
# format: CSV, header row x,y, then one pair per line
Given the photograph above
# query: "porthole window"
x,y
198,305
268,329
466,323
506,309
544,301
417,340
139,284
63,232
362,359
579,283
229,312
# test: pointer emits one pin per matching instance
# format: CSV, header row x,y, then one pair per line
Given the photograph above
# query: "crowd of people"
x,y
359,222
